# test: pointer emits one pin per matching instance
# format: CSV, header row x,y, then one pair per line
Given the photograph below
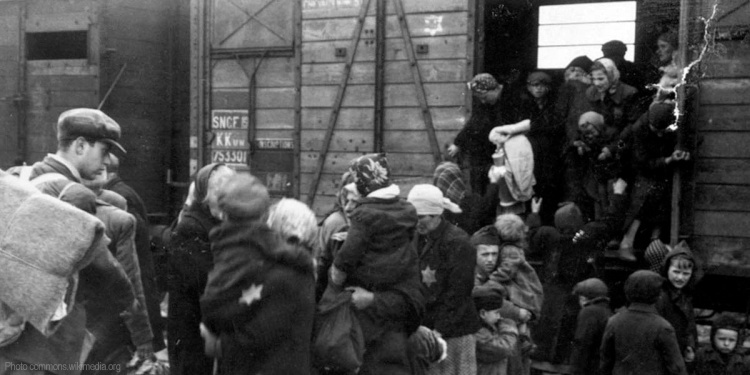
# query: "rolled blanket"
x,y
44,242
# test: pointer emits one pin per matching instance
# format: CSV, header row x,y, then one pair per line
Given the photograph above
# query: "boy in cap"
x,y
592,319
637,340
497,340
472,141
723,357
446,261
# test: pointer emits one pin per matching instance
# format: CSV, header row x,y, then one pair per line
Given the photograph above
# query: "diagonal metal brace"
x,y
251,17
337,103
421,97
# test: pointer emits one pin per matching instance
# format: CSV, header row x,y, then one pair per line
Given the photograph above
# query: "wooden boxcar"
x,y
296,89
57,55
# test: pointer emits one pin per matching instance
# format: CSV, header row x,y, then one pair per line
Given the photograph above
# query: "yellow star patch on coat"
x,y
428,276
251,294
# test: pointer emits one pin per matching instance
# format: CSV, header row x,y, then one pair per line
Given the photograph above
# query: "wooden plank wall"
x,y
137,33
54,86
9,39
442,25
722,180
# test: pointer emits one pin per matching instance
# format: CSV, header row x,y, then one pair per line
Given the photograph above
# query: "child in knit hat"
x,y
592,319
497,340
723,356
378,250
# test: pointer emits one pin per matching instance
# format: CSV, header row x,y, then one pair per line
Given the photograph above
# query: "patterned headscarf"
x,y
483,82
370,173
449,180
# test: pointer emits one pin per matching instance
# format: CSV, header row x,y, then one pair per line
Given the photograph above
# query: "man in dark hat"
x,y
630,73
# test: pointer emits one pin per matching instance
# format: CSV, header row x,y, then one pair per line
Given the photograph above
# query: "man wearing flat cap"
x,y
446,261
85,137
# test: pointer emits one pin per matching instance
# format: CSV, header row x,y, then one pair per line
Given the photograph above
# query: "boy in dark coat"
x,y
676,302
497,339
637,340
259,300
595,312
723,356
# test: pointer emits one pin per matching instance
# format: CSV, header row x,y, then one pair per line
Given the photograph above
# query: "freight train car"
x,y
114,54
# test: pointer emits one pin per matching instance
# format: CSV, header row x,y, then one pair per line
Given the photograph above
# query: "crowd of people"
x,y
485,274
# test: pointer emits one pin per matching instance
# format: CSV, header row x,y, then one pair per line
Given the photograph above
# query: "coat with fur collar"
x,y
259,301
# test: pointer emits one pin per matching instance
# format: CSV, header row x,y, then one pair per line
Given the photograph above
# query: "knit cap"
x,y
661,115
243,197
483,82
486,236
591,119
429,200
370,173
643,286
591,288
583,62
488,297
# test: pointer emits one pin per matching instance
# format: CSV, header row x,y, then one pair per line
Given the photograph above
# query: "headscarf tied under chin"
x,y
613,74
201,187
449,180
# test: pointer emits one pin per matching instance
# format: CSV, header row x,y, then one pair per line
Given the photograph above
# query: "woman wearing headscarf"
x,y
477,210
189,263
610,97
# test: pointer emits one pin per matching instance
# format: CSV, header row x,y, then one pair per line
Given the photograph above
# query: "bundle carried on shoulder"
x,y
44,242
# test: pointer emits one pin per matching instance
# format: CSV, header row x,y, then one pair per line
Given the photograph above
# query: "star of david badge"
x,y
251,294
428,276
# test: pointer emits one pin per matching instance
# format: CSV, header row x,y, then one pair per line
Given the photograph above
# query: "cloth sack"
x,y
43,244
338,342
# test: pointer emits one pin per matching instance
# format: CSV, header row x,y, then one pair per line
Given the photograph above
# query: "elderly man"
x,y
447,261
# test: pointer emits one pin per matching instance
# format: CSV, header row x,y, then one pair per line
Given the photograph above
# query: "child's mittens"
x,y
496,173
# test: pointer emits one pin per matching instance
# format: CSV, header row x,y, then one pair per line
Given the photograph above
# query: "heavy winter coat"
x,y
676,305
106,325
588,337
146,260
259,301
494,346
447,262
378,250
639,341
